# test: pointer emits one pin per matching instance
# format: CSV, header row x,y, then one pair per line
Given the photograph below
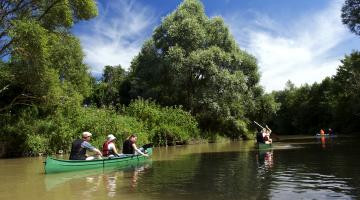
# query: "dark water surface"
x,y
295,168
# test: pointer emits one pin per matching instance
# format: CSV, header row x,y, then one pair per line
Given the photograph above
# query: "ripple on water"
x,y
303,185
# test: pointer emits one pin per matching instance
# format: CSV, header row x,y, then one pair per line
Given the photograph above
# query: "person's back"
x,y
79,147
127,147
259,137
77,152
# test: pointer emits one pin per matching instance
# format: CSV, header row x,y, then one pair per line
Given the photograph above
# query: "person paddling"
x,y
129,147
330,131
79,147
109,148
267,133
264,135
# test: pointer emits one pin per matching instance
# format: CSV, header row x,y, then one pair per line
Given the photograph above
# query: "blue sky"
x,y
301,41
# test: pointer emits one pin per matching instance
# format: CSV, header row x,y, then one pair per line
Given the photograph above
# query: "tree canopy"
x,y
351,15
43,61
194,61
41,70
333,103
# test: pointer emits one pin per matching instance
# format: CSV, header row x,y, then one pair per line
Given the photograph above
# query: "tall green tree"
x,y
351,15
44,59
52,15
347,84
332,103
194,61
42,69
109,90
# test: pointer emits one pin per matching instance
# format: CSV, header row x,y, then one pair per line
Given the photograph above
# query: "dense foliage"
x,y
193,61
333,103
190,80
42,68
167,125
351,15
45,62
31,134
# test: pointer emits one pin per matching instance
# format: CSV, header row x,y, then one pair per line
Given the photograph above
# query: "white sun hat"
x,y
111,137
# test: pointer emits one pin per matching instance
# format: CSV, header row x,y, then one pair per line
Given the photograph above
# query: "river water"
x,y
295,168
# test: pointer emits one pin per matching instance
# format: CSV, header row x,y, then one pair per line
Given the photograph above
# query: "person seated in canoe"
x,y
322,132
129,147
266,134
330,131
263,136
109,148
260,137
79,147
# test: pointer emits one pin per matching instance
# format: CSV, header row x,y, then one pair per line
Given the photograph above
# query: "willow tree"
x,y
194,61
41,68
41,58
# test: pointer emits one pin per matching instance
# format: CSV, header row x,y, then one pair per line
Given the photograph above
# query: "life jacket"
x,y
322,132
77,152
105,149
128,148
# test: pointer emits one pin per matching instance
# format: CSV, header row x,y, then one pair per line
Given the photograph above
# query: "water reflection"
x,y
93,181
309,185
323,142
265,159
297,169
112,183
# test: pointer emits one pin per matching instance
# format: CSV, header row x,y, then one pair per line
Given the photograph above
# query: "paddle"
x,y
258,125
273,134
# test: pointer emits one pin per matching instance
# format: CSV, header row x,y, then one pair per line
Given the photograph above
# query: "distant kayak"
x,y
325,135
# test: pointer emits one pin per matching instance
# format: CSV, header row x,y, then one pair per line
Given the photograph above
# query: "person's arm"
x,y
115,150
91,148
268,129
97,152
138,150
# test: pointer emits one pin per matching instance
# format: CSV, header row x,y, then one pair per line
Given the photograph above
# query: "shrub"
x,y
167,125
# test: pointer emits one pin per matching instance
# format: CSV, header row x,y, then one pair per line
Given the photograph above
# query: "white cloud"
x,y
304,52
116,35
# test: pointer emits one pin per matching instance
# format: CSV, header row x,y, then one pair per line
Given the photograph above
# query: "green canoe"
x,y
53,165
263,146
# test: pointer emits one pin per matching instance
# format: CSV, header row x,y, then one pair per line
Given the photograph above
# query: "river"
x,y
295,168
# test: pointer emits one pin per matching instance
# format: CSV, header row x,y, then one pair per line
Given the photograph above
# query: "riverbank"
x,y
30,134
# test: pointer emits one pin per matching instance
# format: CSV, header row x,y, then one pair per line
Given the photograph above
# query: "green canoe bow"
x,y
263,146
53,165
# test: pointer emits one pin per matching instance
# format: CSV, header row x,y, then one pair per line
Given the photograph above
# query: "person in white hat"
x,y
79,147
109,148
